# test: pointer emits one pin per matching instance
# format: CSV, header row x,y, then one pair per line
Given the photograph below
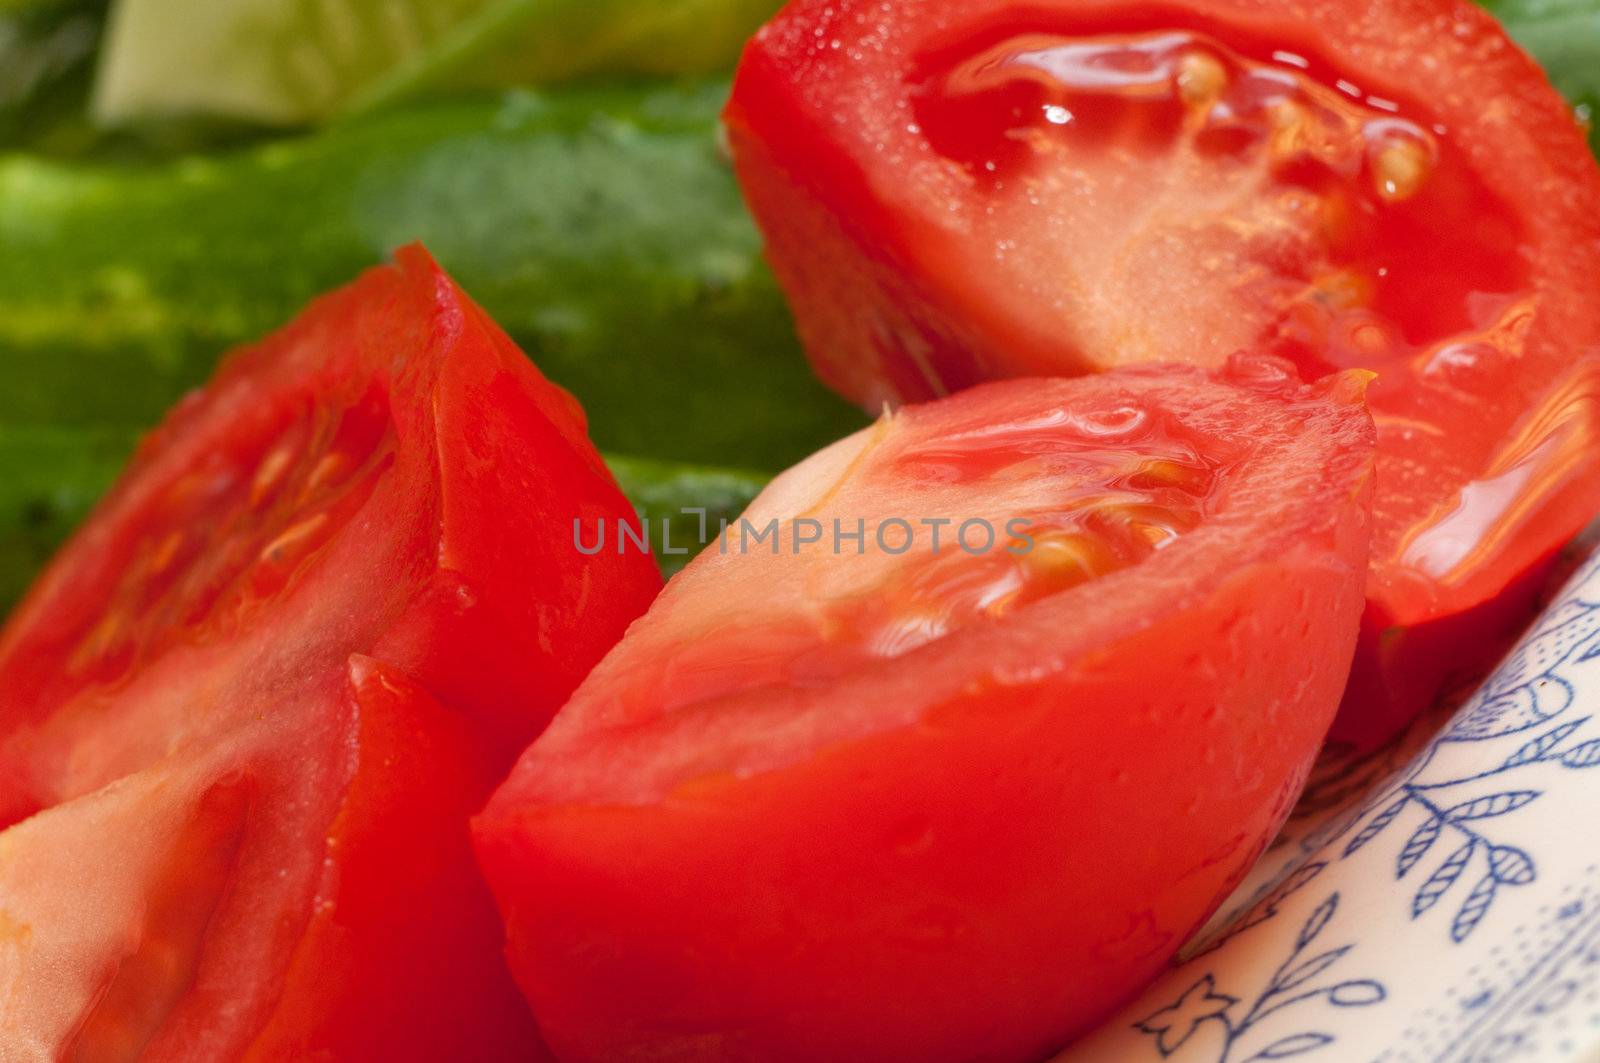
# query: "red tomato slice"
x,y
953,804
278,863
958,190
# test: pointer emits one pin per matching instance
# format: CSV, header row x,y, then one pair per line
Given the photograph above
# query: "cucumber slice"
x,y
601,228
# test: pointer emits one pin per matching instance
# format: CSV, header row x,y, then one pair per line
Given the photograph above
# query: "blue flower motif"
x,y
1175,1024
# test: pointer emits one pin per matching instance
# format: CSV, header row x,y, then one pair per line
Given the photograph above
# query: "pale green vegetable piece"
x,y
278,62
288,62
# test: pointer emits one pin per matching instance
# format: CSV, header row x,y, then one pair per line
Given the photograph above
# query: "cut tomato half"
x,y
239,816
947,746
959,191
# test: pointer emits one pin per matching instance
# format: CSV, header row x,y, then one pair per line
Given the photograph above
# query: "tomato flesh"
x,y
242,902
1091,493
839,804
1291,210
239,654
955,192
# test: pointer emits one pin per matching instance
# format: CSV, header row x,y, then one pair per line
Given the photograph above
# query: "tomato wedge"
x,y
237,815
876,799
959,190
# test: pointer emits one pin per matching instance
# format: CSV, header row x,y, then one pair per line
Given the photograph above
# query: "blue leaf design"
x,y
1442,879
1498,714
1538,747
1318,920
1474,909
1293,1045
1510,865
1357,994
1584,755
1490,806
1308,970
1421,841
1173,1025
1377,825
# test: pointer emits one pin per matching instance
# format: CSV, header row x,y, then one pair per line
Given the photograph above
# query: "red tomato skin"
x,y
874,328
515,616
983,884
1402,669
457,576
884,293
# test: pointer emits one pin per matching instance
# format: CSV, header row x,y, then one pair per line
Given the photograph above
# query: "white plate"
x,y
1439,903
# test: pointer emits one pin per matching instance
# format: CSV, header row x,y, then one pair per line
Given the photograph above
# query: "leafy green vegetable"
x,y
601,228
288,63
1564,35
46,55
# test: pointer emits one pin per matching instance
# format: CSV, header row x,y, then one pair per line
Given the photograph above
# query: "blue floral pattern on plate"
x,y
1438,904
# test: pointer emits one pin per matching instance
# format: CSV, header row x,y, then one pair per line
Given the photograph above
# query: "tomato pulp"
x,y
959,191
236,812
846,794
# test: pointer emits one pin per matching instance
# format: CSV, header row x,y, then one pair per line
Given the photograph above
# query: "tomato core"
x,y
1121,485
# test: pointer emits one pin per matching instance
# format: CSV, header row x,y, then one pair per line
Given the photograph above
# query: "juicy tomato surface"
x,y
959,190
236,813
869,799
